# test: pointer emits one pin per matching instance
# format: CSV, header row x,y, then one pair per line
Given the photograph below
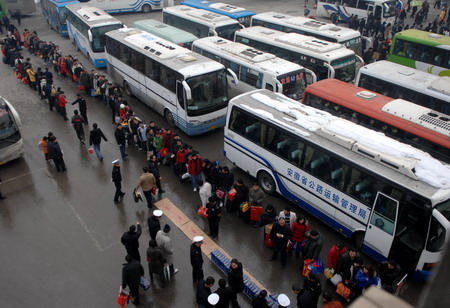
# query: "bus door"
x,y
381,227
370,9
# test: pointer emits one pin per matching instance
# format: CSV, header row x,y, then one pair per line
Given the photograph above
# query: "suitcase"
x,y
255,213
267,241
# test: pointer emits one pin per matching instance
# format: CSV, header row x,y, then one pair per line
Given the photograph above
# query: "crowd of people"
x,y
290,236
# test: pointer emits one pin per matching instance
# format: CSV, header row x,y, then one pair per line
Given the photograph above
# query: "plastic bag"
x,y
202,212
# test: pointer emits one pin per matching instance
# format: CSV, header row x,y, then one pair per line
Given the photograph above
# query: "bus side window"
x,y
296,154
269,87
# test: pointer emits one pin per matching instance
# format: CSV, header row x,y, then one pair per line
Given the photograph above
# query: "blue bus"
x,y
55,13
240,14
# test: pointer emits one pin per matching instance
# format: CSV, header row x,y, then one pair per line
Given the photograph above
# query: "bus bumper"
x,y
99,62
194,128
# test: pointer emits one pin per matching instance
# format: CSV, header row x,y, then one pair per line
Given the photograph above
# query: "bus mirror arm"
x,y
90,35
358,67
235,80
313,75
187,90
331,71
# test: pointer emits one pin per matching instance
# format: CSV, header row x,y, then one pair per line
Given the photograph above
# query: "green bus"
x,y
166,32
425,51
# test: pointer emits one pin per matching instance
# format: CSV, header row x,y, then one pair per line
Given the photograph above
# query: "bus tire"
x,y
358,238
266,182
169,117
146,8
334,17
127,88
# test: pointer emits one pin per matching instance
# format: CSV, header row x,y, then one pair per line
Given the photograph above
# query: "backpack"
x,y
77,122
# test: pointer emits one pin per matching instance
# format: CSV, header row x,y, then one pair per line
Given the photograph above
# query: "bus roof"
x,y
314,26
63,2
297,42
201,16
400,113
220,8
411,78
167,32
183,60
396,161
263,60
92,15
433,39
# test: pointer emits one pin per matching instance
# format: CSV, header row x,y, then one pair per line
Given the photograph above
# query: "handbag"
x,y
328,273
91,150
307,267
74,77
98,92
122,298
220,193
336,279
290,245
202,212
144,283
81,87
343,290
153,190
137,195
244,207
231,194
163,152
317,266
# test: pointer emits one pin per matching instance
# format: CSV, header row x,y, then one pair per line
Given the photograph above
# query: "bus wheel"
x,y
127,88
169,117
266,182
146,8
358,238
334,18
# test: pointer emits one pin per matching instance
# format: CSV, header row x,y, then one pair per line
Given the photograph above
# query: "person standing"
x,y
204,192
241,195
299,230
203,292
156,262
130,240
283,301
289,217
153,169
313,245
236,280
62,102
117,179
77,122
214,213
259,301
335,253
95,138
153,223
329,302
43,147
256,195
132,272
121,140
389,272
146,182
197,259
195,163
165,243
55,153
82,106
280,234
225,294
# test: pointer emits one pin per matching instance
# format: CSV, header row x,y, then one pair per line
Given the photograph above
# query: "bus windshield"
x,y
209,93
62,15
98,36
354,44
344,68
388,9
8,128
294,84
228,31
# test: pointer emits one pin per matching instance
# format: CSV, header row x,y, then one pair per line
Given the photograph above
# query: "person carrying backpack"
x,y
77,122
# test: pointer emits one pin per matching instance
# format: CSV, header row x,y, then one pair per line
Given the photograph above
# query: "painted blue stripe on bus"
x,y
373,253
292,197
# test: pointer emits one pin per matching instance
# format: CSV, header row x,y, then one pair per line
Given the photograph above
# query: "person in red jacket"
x,y
180,161
299,229
62,102
335,254
195,164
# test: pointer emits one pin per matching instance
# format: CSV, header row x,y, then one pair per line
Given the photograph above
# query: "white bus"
x,y
199,22
11,143
325,31
392,199
325,59
190,90
255,69
398,81
344,9
87,26
126,6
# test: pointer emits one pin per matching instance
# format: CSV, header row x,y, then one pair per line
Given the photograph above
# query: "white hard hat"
x,y
213,298
122,105
283,300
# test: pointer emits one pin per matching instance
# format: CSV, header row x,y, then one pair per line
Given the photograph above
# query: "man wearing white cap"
x,y
117,179
153,223
283,301
197,259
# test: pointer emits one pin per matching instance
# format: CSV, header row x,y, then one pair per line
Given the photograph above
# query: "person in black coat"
x,y
236,280
311,291
280,234
225,294
346,261
55,153
389,273
259,301
95,138
132,272
117,180
203,291
82,106
130,240
226,179
197,259
214,213
215,175
153,224
269,216
154,169
241,194
121,140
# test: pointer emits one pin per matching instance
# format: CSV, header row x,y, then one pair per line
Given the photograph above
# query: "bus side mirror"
x,y
187,90
90,35
235,80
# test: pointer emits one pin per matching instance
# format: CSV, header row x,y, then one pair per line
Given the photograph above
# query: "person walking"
x,y
55,153
313,245
130,240
195,163
82,107
203,292
132,272
156,262
197,259
119,134
214,213
43,147
153,223
235,280
280,234
165,243
95,138
117,179
146,182
77,122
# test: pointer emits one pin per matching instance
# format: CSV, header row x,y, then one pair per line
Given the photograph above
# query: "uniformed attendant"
x,y
197,259
82,106
117,179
